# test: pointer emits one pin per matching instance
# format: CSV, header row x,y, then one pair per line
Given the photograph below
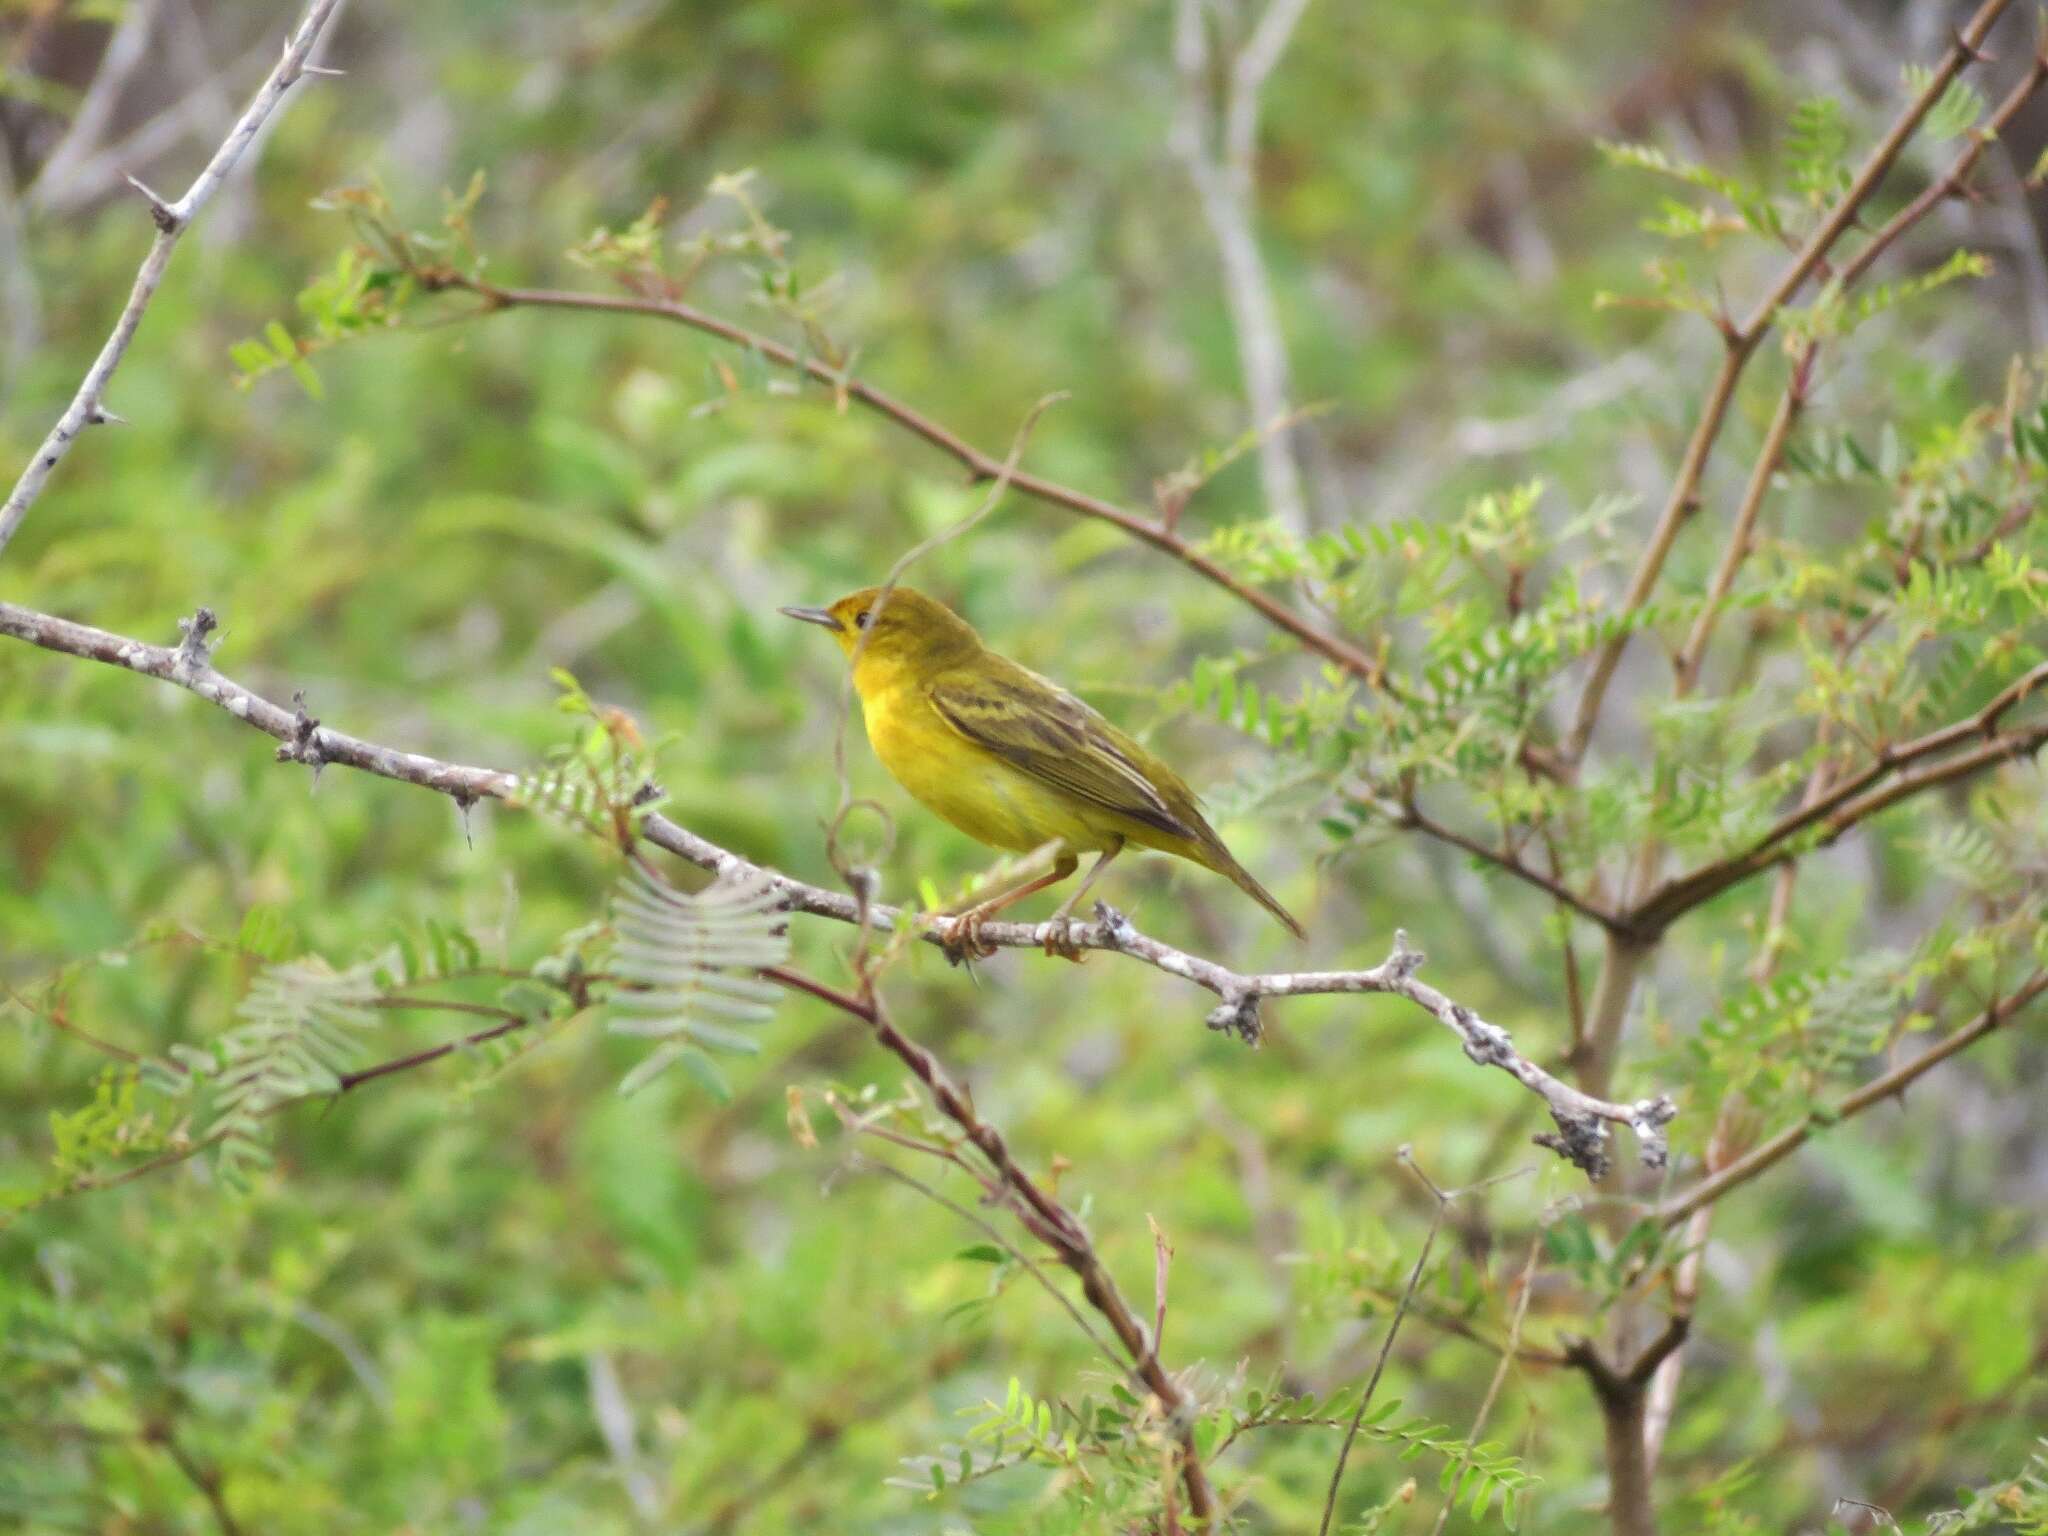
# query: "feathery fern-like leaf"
x,y
687,963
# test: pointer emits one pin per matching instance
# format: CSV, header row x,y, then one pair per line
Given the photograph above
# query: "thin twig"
x,y
995,1235
1523,1288
983,466
1411,815
1443,1200
172,220
205,1479
1765,1154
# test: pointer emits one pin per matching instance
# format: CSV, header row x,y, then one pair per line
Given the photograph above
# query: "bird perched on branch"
x,y
1012,760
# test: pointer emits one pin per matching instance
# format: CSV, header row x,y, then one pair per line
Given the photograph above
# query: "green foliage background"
x,y
426,1314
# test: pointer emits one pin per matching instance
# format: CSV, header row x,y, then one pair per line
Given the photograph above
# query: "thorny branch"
x,y
87,406
1044,1216
1743,338
1819,820
1582,1120
981,465
1891,1085
1954,182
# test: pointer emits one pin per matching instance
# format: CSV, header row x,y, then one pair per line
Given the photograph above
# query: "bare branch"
x,y
1223,175
1582,1134
1046,1219
172,220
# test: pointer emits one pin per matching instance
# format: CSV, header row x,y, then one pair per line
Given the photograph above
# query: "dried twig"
x,y
172,220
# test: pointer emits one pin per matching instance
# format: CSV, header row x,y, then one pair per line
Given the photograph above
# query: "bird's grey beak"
x,y
812,616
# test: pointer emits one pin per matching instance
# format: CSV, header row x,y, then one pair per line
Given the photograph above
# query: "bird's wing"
x,y
1038,727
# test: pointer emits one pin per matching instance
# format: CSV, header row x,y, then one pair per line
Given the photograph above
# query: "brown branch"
x,y
206,1479
1951,183
981,465
1741,342
1042,1214
172,220
1412,816
1582,1119
1622,1392
1767,1154
1859,797
513,1022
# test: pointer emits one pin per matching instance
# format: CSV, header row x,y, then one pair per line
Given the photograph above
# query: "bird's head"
x,y
904,630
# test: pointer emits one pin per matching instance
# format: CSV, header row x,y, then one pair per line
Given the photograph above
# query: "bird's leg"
x,y
1059,936
963,932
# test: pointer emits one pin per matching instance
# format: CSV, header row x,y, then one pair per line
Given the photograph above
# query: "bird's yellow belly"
x,y
975,790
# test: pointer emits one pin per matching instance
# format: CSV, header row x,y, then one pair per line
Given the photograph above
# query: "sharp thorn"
x,y
167,217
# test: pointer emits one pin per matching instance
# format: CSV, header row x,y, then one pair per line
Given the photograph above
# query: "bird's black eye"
x,y
862,621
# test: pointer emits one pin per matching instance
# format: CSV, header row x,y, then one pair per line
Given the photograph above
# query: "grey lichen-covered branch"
x,y
87,407
1583,1121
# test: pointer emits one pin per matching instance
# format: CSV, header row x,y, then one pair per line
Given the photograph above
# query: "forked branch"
x,y
1742,340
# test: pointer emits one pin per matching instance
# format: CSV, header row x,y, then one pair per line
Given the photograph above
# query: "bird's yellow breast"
x,y
985,797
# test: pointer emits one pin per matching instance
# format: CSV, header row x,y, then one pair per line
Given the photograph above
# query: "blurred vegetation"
x,y
496,1293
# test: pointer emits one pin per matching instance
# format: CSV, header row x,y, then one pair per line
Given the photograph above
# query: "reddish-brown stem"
x,y
1741,345
1859,797
1742,537
1046,1217
978,463
1766,1154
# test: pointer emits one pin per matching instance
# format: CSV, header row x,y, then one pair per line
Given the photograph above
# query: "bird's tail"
x,y
1224,863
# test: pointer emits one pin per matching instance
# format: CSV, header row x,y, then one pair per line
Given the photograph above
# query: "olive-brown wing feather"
x,y
1040,728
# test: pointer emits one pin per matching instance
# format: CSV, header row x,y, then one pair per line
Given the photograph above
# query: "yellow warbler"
x,y
1009,758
